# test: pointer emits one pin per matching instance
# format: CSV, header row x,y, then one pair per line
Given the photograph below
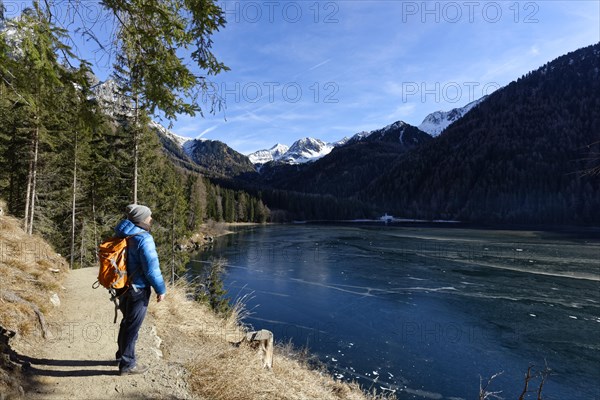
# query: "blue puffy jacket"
x,y
142,259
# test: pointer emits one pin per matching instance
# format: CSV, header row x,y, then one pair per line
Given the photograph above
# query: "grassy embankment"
x,y
191,334
30,274
201,340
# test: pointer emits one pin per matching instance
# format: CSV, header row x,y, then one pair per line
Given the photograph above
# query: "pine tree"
x,y
211,290
196,201
148,69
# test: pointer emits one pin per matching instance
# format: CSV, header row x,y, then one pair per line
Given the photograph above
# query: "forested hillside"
x,y
68,169
217,159
524,155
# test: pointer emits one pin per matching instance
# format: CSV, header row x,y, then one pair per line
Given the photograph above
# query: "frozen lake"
x,y
426,311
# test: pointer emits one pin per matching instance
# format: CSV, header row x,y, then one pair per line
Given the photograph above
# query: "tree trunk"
x,y
82,250
135,150
34,179
74,203
96,244
173,247
12,198
28,195
31,186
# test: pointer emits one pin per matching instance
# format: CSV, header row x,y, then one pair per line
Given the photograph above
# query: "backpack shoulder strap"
x,y
130,236
137,233
127,238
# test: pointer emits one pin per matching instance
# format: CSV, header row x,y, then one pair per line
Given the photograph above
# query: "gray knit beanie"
x,y
137,213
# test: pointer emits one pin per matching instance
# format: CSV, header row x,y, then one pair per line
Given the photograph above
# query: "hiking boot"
x,y
135,370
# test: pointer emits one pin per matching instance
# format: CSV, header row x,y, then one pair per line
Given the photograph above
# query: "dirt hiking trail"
x,y
77,360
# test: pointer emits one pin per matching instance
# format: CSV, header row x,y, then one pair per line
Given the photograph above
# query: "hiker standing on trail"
x,y
143,270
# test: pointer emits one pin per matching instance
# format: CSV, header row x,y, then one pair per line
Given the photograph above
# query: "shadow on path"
x,y
31,366
68,363
70,373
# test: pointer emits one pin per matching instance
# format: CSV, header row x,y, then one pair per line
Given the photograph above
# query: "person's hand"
x,y
160,297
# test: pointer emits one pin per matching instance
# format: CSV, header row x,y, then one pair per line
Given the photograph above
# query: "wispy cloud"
x,y
207,130
319,64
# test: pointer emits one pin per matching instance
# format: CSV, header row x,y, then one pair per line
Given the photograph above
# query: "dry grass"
x,y
214,229
26,266
201,341
28,281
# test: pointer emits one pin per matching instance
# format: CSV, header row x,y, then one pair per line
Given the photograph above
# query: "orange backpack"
x,y
113,263
112,254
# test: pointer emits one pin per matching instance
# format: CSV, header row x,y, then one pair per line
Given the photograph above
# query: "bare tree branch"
x,y
527,379
484,394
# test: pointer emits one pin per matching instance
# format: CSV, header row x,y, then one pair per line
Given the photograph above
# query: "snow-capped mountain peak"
x,y
437,121
264,156
395,125
279,149
307,144
360,136
305,150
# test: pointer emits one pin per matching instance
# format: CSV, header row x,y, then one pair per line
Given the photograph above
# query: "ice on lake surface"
x,y
426,312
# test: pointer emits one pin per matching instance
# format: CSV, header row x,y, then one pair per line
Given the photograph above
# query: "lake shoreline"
x,y
570,229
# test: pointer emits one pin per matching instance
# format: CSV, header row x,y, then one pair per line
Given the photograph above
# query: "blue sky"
x,y
332,69
329,69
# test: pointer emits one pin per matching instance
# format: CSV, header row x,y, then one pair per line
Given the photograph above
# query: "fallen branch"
x,y
12,297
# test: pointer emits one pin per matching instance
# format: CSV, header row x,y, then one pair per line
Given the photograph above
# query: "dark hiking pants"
x,y
133,305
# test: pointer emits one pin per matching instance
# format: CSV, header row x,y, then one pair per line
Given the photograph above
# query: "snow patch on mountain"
x,y
378,134
360,136
107,94
179,140
436,122
341,142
